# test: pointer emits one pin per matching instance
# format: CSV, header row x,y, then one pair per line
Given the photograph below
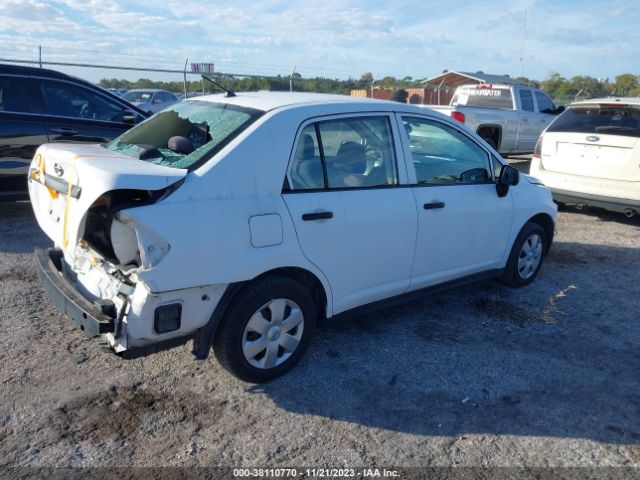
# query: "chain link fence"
x,y
186,82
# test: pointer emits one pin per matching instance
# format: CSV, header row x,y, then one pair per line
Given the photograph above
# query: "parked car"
x,y
240,221
39,106
509,118
590,155
118,91
151,100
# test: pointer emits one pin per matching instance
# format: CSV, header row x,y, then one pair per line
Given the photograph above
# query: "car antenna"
x,y
230,93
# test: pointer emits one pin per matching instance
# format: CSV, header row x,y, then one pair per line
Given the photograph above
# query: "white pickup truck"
x,y
510,118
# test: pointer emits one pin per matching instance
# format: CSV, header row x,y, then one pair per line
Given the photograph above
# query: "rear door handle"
x,y
317,216
433,205
65,131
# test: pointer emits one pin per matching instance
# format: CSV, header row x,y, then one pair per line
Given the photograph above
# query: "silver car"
x,y
151,100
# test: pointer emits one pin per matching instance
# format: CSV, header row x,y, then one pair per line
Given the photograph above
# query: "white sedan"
x,y
239,221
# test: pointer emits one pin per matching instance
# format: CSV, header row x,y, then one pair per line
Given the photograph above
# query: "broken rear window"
x,y
185,135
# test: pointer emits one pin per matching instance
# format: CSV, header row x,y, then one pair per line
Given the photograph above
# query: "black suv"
x,y
39,106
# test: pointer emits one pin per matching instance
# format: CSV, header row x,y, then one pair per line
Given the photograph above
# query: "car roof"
x,y
150,90
610,101
36,71
266,100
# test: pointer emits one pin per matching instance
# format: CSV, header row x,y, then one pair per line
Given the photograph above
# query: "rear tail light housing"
x,y
459,116
537,152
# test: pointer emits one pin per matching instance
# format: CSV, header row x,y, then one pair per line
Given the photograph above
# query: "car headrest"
x,y
352,157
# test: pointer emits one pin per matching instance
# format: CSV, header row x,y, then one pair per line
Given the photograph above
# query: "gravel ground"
x,y
546,375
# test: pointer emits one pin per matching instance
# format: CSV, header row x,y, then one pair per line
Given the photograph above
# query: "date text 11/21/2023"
x,y
314,473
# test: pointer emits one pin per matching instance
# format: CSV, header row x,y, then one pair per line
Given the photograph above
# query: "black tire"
x,y
229,338
512,275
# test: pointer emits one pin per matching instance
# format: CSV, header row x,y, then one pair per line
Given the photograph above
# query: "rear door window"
x,y
345,153
607,119
12,96
526,101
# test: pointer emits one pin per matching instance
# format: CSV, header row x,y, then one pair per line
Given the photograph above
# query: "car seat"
x,y
348,166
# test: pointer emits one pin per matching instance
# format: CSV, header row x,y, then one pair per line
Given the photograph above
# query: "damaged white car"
x,y
241,220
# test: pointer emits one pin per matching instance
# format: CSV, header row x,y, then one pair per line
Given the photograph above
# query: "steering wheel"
x,y
374,155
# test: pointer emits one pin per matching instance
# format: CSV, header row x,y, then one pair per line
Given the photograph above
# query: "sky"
x,y
336,39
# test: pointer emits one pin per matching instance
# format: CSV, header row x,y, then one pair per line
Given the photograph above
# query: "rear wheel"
x,y
526,256
267,329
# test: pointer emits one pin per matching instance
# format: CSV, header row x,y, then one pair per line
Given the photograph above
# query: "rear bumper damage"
x,y
133,318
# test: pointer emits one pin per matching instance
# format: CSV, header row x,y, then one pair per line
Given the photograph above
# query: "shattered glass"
x,y
205,126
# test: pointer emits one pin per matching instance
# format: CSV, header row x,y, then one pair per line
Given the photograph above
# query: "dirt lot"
x,y
483,375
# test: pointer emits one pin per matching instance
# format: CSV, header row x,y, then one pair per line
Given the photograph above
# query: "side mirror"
x,y
559,109
129,117
509,176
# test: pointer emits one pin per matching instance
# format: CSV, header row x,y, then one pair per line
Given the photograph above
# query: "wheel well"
x,y
307,279
204,336
546,222
492,132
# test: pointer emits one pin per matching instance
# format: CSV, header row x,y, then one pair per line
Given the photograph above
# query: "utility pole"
x,y
524,37
291,78
184,72
40,55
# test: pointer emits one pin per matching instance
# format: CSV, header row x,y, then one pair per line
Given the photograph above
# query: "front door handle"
x,y
317,216
433,205
65,131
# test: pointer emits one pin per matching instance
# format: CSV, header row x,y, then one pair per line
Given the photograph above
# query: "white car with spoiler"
x,y
591,155
239,221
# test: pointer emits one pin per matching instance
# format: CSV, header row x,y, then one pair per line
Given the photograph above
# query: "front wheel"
x,y
266,330
526,256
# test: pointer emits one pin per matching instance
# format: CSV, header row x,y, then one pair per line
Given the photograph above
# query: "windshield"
x,y
616,119
138,97
186,134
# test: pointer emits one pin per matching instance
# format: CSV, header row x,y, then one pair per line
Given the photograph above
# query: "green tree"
x,y
528,82
626,84
587,87
389,83
400,95
367,78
